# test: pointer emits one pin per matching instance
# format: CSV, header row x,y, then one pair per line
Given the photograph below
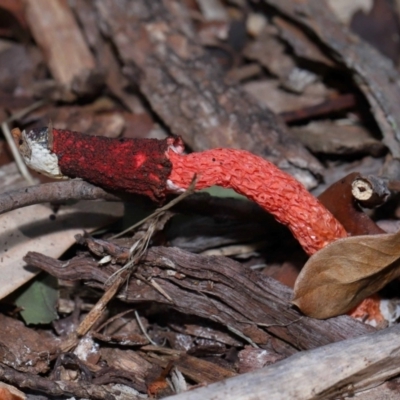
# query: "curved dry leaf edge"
x,y
345,272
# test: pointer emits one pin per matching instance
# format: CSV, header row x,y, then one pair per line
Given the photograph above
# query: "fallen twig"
x,y
54,192
16,154
341,199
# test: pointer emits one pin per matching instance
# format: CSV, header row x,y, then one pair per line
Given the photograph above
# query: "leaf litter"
x,y
201,290
341,275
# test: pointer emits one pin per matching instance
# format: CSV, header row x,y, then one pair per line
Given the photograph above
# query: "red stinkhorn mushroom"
x,y
157,167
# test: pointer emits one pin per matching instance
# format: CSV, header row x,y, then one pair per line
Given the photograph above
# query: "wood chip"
x,y
57,33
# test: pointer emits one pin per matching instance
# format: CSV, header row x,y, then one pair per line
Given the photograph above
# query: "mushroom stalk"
x,y
157,167
261,181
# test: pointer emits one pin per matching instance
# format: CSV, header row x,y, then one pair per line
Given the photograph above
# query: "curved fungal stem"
x,y
259,180
157,167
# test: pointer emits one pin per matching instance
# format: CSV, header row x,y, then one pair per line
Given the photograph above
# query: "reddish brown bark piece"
x,y
339,200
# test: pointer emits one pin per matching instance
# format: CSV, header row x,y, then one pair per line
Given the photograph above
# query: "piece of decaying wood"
x,y
128,360
16,338
215,288
55,30
303,45
105,56
339,200
330,137
188,90
270,93
339,369
374,73
196,369
275,59
339,103
370,191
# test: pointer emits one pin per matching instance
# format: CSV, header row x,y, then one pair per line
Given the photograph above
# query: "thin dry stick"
x,y
161,210
242,335
26,111
142,328
93,316
112,319
16,155
14,150
55,192
161,290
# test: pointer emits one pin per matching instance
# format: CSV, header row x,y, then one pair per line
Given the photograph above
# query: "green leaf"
x,y
39,300
219,191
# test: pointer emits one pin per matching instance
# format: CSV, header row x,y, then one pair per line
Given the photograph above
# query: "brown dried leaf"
x,y
8,392
37,227
341,275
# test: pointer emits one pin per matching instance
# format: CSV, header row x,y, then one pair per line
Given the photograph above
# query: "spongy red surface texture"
x,y
261,181
130,165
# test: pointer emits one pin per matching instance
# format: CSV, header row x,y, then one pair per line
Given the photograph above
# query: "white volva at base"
x,y
42,160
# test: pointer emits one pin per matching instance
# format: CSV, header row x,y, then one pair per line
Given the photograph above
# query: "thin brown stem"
x,y
54,192
61,191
